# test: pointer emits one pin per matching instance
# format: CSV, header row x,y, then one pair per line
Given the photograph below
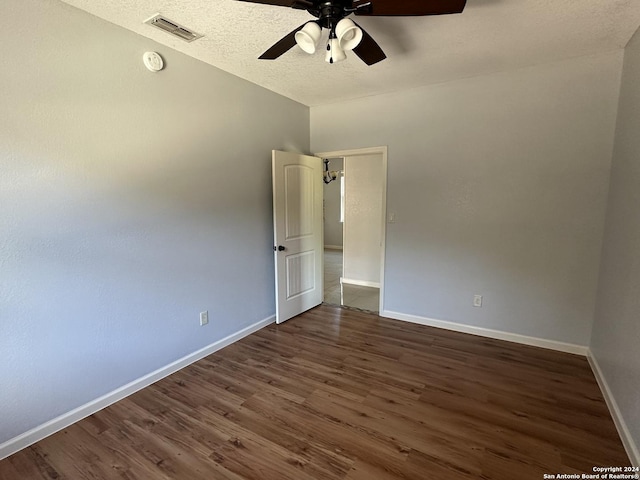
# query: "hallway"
x,y
355,296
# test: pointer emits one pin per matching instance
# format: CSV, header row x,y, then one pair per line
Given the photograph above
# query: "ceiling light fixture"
x,y
309,37
334,53
348,33
343,35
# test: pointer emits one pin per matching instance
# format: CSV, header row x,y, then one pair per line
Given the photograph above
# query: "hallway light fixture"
x,y
329,176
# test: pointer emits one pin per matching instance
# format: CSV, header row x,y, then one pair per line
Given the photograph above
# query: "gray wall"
x,y
129,202
498,185
332,223
615,341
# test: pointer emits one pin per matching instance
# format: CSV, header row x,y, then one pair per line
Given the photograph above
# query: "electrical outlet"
x,y
204,318
477,300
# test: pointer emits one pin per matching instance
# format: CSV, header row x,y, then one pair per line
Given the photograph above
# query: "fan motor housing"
x,y
330,13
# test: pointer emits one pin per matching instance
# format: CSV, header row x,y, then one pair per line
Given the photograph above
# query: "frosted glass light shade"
x,y
348,33
308,38
334,54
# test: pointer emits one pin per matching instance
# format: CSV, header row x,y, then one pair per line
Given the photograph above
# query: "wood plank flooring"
x,y
339,394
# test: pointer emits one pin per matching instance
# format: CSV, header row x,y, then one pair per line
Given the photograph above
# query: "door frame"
x,y
382,150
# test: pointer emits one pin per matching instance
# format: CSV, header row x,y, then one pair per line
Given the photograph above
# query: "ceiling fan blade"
x,y
281,46
411,7
368,50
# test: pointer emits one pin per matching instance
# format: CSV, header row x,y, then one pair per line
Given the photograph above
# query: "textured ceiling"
x,y
489,36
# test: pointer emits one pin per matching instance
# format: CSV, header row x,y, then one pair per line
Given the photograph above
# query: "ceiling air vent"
x,y
175,29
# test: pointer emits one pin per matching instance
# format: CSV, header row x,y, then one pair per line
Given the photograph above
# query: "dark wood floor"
x,y
341,394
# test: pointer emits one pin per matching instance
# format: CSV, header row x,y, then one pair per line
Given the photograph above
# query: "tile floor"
x,y
364,298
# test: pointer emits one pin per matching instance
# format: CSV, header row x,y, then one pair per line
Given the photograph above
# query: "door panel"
x,y
298,191
300,273
297,221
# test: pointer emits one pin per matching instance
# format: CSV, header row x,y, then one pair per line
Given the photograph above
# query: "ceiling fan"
x,y
344,33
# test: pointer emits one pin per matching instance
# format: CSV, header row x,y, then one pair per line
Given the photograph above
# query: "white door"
x,y
297,226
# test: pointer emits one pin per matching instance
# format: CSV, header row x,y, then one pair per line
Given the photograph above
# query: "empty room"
x,y
165,311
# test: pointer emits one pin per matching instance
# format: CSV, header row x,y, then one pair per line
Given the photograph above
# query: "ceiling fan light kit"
x,y
348,33
335,53
346,36
309,37
344,33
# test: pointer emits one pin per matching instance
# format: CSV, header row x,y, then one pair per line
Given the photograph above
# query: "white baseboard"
x,y
625,435
333,247
63,421
487,332
361,283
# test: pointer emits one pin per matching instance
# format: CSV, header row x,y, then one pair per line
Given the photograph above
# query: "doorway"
x,y
354,228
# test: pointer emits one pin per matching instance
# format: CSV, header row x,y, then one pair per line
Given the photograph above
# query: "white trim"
x,y
63,421
353,152
362,283
625,435
487,332
333,247
381,150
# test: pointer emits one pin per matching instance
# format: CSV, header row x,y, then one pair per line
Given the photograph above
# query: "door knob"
x,y
280,248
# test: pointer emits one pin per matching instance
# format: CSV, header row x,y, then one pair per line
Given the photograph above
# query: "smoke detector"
x,y
153,61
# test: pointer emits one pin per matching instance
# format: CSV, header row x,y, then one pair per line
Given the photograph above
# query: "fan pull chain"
x,y
329,49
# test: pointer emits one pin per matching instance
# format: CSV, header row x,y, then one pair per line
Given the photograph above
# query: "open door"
x,y
297,226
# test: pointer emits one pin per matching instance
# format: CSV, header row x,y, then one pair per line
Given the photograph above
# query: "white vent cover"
x,y
175,29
